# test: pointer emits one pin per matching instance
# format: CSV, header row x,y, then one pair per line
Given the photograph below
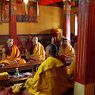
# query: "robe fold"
x,y
15,54
50,79
38,52
67,52
10,55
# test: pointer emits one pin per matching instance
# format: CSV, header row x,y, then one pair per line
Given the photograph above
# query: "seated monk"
x,y
50,78
38,51
28,47
66,50
71,67
55,41
10,53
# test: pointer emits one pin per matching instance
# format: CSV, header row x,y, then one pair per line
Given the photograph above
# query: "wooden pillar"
x,y
85,66
12,20
66,19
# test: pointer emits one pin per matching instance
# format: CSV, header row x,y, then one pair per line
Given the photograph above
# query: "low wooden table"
x,y
11,81
21,67
20,79
11,69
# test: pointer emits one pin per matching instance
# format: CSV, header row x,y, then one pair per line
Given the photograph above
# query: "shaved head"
x,y
51,50
35,40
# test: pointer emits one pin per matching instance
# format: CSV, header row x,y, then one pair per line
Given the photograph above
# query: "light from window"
x,y
76,25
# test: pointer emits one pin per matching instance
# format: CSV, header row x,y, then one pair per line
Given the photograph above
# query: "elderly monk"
x,y
66,50
38,51
10,53
51,77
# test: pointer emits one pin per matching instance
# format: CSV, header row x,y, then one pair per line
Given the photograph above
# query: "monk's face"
x,y
35,40
63,43
47,52
52,40
10,42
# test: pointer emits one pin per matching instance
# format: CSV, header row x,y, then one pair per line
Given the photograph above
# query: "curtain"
x,y
45,2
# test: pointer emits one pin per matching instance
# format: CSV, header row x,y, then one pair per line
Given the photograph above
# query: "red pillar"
x,y
0,11
85,66
66,19
64,24
12,20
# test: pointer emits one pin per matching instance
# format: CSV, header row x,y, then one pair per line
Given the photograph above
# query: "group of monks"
x,y
11,53
51,77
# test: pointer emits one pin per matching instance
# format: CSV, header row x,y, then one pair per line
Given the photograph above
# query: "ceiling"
x,y
57,3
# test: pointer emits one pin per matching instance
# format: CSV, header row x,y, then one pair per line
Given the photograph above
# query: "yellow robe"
x,y
38,52
71,67
68,52
50,79
14,56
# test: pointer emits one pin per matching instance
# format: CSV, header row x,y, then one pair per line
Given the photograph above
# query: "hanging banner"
x,y
5,11
27,12
0,11
20,11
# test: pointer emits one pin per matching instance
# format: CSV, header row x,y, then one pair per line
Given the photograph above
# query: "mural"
x,y
25,13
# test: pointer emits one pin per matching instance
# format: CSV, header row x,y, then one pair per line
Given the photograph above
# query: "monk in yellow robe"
x,y
10,52
66,50
51,77
38,51
71,67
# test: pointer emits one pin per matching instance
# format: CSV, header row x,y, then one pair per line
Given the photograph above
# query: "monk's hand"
x,y
67,69
26,50
15,62
12,61
8,58
33,58
26,93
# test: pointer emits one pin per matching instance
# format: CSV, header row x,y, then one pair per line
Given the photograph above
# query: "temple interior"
x,y
42,39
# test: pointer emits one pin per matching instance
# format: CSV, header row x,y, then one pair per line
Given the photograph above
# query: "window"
x,y
76,25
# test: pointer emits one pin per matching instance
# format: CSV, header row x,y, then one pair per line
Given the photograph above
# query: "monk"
x,y
10,53
55,41
51,77
71,68
66,50
29,47
38,51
